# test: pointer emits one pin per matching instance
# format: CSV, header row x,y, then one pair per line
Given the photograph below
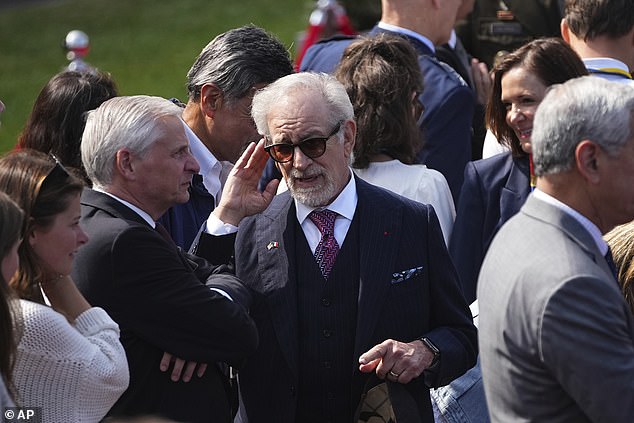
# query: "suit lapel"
x,y
277,225
378,246
515,191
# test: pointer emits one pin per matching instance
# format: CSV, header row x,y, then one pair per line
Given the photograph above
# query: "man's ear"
x,y
565,31
211,98
588,157
124,163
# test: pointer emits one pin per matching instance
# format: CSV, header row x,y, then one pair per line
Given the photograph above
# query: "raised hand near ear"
x,y
240,196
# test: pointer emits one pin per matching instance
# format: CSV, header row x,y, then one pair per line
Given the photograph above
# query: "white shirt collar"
x,y
210,167
345,204
453,39
584,221
134,208
408,32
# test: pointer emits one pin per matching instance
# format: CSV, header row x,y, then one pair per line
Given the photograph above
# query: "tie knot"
x,y
324,220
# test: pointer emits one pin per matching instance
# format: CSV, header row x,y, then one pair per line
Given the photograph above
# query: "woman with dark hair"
x,y
11,222
69,360
495,188
383,80
57,120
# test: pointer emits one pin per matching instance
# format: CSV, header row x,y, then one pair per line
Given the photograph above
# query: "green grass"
x,y
147,45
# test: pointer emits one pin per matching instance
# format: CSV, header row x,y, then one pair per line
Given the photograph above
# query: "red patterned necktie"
x,y
327,249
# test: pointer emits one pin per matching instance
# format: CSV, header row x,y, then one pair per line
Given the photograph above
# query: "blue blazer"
x,y
449,104
494,190
397,235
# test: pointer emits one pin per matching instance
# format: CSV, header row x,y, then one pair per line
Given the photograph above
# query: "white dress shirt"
x,y
344,205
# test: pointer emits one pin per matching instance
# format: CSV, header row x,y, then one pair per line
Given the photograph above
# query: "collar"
x,y
134,208
409,33
607,66
453,39
584,221
345,204
210,167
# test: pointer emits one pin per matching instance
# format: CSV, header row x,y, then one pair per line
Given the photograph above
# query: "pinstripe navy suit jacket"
x,y
396,235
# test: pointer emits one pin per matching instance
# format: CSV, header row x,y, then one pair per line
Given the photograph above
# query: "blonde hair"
x,y
621,242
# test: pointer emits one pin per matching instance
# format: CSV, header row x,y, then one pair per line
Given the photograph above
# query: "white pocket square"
x,y
399,277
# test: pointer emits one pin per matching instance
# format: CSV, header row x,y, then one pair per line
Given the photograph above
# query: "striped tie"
x,y
327,249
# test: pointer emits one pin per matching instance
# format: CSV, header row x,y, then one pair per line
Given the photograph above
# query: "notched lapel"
x,y
275,237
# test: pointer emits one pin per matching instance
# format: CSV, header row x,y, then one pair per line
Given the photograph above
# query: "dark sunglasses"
x,y
58,172
311,147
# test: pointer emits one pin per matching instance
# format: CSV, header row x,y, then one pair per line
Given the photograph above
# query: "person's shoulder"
x,y
389,200
436,72
324,55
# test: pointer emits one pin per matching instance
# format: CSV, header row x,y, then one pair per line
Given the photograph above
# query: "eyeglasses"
x,y
311,147
58,172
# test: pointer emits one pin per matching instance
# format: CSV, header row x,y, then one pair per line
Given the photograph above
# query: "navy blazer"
x,y
494,190
449,104
396,235
160,298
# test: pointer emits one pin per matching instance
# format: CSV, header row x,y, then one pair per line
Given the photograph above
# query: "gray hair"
x,y
324,86
122,122
236,61
585,108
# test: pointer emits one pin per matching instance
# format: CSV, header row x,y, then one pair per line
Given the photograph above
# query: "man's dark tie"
x,y
610,260
327,249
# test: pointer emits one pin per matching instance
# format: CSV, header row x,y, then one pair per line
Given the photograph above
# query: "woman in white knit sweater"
x,y
69,360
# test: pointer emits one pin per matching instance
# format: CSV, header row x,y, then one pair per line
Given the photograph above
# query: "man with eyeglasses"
x,y
352,284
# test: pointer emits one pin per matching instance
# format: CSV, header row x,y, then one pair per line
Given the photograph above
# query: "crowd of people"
x,y
329,245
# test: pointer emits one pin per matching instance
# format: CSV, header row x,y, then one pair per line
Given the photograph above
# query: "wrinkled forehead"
x,y
298,116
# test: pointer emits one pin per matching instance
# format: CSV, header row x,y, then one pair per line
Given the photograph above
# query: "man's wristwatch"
x,y
434,349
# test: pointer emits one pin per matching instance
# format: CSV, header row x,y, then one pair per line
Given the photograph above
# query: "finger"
x,y
245,157
369,367
376,352
189,371
202,368
165,362
259,159
270,190
178,369
387,363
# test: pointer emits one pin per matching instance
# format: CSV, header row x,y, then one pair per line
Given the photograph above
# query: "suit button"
x,y
327,364
325,302
327,333
293,391
330,396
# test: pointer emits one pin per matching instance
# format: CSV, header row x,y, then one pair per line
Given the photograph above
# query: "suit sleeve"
x,y
466,245
454,333
586,343
163,300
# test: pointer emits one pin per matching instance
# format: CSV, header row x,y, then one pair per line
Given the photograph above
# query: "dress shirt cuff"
x,y
216,226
